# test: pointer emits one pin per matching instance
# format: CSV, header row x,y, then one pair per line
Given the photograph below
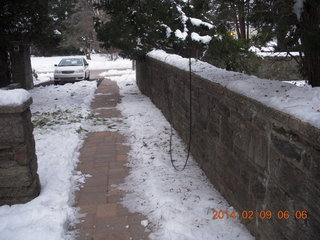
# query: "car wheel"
x,y
88,77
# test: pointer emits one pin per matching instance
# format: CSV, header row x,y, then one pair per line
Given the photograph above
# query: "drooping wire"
x,y
190,111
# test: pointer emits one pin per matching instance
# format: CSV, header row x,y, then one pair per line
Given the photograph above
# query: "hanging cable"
x,y
190,108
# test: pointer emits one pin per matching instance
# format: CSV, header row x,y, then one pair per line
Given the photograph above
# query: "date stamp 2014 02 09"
x,y
263,214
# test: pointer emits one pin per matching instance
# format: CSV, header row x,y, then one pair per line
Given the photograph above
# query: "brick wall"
x,y
19,181
257,157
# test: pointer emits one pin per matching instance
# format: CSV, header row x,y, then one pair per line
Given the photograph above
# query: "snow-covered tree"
x,y
138,26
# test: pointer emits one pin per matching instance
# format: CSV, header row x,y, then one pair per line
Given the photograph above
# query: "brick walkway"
x,y
103,156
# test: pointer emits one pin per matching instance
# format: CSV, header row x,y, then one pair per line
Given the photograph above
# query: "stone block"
x,y
274,162
19,181
10,196
258,187
258,149
226,134
314,167
292,179
11,128
286,147
260,121
15,176
21,154
6,154
7,164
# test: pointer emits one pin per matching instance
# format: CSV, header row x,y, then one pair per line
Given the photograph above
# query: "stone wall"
x,y
19,181
278,68
258,158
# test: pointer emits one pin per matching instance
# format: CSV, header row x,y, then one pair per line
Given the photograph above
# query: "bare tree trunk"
x,y
242,20
21,65
5,76
239,10
310,33
236,18
247,18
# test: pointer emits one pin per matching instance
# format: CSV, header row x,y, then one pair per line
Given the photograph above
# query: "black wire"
x,y
190,113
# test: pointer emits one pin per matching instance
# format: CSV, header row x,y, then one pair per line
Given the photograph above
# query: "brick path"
x,y
103,156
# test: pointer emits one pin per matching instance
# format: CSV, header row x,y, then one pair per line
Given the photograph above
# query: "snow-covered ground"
x,y
178,205
61,117
44,66
59,114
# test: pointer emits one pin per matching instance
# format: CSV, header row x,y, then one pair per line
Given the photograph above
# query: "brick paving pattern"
x,y
103,156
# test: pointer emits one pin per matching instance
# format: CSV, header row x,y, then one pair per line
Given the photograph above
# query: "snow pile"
x,y
178,205
301,102
59,114
13,97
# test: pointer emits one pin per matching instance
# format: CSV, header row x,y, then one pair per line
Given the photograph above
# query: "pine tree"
x,y
24,22
137,27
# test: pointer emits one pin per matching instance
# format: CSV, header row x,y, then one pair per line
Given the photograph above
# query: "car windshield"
x,y
70,62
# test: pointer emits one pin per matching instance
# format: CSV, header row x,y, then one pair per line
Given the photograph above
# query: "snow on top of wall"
x,y
13,97
300,102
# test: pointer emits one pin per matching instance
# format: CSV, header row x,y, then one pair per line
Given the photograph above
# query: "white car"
x,y
71,70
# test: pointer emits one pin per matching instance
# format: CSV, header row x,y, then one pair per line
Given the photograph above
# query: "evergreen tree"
x,y
275,19
59,13
137,26
24,22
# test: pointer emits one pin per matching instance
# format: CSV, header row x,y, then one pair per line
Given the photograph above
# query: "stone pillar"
x,y
19,181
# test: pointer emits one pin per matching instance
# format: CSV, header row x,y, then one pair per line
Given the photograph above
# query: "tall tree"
x,y
309,28
21,22
275,19
80,32
235,14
